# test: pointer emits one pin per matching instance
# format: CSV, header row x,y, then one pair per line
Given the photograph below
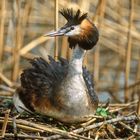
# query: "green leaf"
x,y
102,112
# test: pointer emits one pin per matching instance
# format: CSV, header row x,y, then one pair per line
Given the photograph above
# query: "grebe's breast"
x,y
71,95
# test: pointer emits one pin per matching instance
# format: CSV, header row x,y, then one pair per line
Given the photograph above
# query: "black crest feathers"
x,y
70,16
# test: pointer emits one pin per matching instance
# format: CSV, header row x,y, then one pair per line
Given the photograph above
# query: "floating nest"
x,y
111,121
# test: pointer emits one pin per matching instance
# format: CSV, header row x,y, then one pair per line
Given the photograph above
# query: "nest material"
x,y
111,122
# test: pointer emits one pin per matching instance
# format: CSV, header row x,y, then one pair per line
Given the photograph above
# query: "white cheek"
x,y
74,32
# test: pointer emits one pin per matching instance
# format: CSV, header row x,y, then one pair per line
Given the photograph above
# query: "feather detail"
x,y
69,15
43,76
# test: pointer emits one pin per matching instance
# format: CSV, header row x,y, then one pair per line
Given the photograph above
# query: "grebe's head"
x,y
79,29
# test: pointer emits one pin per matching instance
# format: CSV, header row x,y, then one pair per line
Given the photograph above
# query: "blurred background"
x,y
115,63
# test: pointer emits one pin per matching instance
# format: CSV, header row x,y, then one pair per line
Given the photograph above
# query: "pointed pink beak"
x,y
60,32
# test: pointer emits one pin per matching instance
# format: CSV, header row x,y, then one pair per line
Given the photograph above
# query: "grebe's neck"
x,y
75,66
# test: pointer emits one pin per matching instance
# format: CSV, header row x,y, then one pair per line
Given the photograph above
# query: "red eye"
x,y
72,28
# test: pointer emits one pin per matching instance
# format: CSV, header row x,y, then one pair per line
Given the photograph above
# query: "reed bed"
x,y
115,64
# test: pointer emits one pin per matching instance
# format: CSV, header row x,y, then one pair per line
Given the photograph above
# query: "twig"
x,y
122,118
6,80
14,126
123,105
33,44
118,109
6,94
128,127
131,137
49,129
5,123
97,136
25,127
135,128
24,136
131,104
89,127
138,106
3,87
54,137
111,130
29,128
89,122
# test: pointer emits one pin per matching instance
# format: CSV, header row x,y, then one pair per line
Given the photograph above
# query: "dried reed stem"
x,y
49,129
102,5
20,32
69,52
23,137
128,51
114,120
95,125
138,106
56,27
33,44
6,94
18,39
6,80
5,123
2,28
64,47
138,87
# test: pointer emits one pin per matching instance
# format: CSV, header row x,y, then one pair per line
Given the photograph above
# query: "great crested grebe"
x,y
59,89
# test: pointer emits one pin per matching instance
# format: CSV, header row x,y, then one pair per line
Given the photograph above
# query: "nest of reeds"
x,y
111,121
